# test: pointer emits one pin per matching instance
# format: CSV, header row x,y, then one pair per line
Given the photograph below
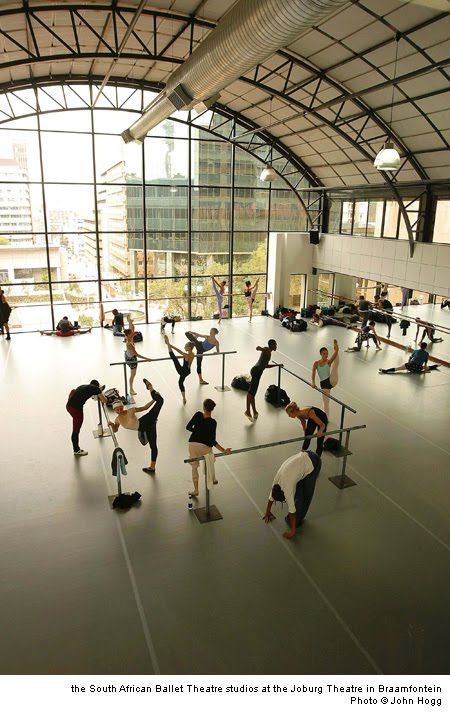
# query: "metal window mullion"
x,y
144,231
44,211
189,200
269,222
231,234
97,232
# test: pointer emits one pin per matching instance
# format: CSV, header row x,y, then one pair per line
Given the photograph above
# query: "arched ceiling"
x,y
327,96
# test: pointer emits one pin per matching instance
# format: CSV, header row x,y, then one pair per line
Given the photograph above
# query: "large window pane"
x,y
391,220
210,253
251,209
211,208
286,212
412,210
166,160
113,156
73,203
360,218
347,217
67,157
249,253
375,218
20,151
166,208
297,291
167,254
122,254
167,297
211,163
31,306
441,231
247,170
24,259
334,215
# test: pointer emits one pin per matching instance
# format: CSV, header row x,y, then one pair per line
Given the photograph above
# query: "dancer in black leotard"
x,y
185,369
311,419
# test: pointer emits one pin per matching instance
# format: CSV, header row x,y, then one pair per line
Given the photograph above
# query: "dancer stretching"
x,y
428,330
311,419
256,372
365,334
146,426
203,438
65,328
131,355
207,343
250,294
327,370
185,369
219,289
417,363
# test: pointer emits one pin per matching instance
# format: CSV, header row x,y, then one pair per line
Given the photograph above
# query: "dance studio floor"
x,y
363,588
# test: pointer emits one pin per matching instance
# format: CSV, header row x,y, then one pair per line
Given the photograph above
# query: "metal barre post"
x,y
279,384
342,480
208,512
101,432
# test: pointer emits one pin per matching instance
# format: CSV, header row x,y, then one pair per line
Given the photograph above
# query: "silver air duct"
x,y
249,34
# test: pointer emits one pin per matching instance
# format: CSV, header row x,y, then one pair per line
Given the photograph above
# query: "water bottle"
x,y
190,503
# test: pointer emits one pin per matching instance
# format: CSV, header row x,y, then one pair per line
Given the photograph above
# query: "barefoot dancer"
x,y
185,369
203,438
250,294
311,419
208,342
146,426
327,370
256,372
219,289
131,355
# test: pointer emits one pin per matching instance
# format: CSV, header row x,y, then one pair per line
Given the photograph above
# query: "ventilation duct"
x,y
249,34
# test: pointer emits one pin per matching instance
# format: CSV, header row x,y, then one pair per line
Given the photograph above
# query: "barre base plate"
x,y
214,514
224,389
105,434
343,451
342,481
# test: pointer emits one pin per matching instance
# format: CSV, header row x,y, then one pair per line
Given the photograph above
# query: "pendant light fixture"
x,y
268,173
388,158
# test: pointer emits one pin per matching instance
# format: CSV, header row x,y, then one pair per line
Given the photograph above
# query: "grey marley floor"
x,y
362,589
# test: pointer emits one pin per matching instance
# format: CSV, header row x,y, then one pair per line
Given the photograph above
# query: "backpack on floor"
x,y
241,382
332,445
137,337
278,399
299,325
126,500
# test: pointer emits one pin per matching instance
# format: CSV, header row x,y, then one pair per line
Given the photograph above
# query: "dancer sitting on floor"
x,y
208,342
311,419
219,289
294,483
146,425
417,363
185,369
250,294
131,354
202,427
256,372
365,334
327,370
428,331
65,328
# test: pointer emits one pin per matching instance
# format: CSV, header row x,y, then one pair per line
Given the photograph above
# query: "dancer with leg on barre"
x,y
250,294
311,419
219,289
294,483
256,372
208,342
327,370
131,355
145,426
185,369
202,427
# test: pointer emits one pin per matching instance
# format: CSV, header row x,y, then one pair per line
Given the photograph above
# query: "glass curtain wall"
x,y
86,219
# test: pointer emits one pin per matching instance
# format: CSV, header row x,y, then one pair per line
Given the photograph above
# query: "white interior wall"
x,y
289,253
386,260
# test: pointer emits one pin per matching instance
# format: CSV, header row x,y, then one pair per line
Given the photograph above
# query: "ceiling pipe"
x,y
248,34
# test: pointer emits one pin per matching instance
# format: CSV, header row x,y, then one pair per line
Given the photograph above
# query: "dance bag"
x,y
241,382
277,396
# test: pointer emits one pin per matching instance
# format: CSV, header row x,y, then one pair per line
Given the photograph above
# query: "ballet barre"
x,y
343,405
117,453
222,388
341,481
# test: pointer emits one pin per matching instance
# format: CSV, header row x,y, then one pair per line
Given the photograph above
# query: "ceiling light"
x,y
388,158
268,173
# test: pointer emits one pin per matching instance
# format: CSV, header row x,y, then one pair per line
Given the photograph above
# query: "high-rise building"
x,y
15,203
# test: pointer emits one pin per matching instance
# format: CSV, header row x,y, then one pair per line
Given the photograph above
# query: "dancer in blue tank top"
x,y
327,370
206,343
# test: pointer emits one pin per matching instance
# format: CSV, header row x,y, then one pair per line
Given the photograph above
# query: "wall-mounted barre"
x,y
222,388
211,513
